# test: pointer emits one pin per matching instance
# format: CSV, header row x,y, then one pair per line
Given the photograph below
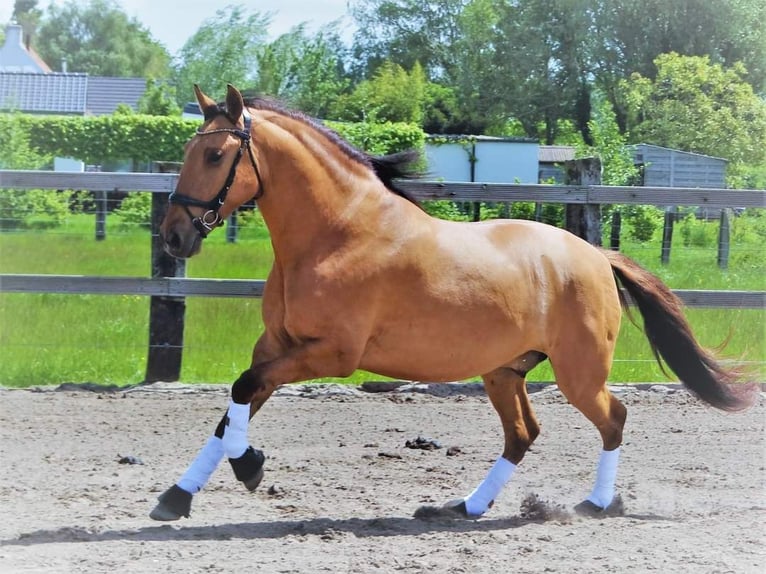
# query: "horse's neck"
x,y
315,204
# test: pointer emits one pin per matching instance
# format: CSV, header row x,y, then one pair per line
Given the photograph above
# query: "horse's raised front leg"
x,y
316,358
248,467
506,389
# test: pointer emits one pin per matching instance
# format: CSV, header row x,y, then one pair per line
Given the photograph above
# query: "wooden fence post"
x,y
614,234
231,228
667,234
101,210
166,314
724,233
584,220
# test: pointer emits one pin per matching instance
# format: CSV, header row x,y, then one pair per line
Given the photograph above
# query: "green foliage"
x,y
135,209
393,95
98,139
304,71
223,50
642,221
159,99
31,208
97,37
695,105
380,138
444,209
697,233
609,145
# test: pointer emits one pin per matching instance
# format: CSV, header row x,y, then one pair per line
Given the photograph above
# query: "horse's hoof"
x,y
591,510
174,503
248,468
454,509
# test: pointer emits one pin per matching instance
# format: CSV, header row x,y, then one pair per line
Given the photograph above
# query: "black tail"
x,y
672,340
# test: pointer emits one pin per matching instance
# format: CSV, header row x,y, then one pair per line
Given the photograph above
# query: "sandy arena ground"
x,y
341,486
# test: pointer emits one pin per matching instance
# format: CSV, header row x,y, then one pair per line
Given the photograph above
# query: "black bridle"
x,y
210,219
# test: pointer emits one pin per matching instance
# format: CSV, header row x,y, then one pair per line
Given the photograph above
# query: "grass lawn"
x,y
49,339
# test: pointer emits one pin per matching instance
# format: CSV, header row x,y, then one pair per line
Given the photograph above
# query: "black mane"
x,y
400,165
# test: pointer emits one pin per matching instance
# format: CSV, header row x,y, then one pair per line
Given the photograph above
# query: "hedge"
x,y
142,138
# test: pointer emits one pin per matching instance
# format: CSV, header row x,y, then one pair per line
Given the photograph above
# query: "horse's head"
x,y
212,182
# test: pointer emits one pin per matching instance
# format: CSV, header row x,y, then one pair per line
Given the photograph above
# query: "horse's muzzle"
x,y
181,242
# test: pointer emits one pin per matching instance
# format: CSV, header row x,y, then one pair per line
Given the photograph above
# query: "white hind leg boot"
x,y
606,476
479,501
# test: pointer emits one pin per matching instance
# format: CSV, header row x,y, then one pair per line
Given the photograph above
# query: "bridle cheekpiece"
x,y
211,218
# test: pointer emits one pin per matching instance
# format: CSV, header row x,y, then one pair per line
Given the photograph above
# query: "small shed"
x,y
483,159
551,160
664,167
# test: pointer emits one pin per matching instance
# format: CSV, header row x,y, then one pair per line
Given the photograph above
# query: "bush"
x,y
33,208
697,233
642,221
135,210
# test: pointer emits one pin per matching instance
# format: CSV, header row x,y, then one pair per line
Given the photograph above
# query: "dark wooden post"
x,y
101,209
724,233
231,228
667,234
584,220
166,314
614,234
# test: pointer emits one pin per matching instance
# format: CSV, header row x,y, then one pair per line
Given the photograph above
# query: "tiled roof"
x,y
43,93
555,153
106,93
67,93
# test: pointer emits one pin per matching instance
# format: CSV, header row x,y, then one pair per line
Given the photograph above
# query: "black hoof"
x,y
174,503
248,468
591,510
454,509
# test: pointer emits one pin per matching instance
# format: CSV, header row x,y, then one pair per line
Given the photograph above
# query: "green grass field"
x,y
49,339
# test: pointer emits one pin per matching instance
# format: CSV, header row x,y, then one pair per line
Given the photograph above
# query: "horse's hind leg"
x,y
506,389
581,377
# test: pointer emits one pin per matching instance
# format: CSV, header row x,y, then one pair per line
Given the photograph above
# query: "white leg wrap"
x,y
477,503
606,475
235,434
201,469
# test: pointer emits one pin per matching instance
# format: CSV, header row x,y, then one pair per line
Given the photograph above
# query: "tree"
x,y
695,105
630,34
405,32
98,38
393,95
304,71
538,61
159,99
223,50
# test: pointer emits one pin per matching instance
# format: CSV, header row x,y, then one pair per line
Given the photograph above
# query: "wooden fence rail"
x,y
422,190
168,285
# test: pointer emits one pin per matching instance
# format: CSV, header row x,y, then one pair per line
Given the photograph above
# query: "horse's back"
x,y
474,296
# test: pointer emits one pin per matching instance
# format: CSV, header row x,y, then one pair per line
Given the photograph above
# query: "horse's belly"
x,y
426,350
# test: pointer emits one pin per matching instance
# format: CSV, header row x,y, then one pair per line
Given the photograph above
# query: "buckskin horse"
x,y
363,278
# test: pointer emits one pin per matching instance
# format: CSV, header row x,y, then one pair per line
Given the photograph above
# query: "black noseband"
x,y
210,218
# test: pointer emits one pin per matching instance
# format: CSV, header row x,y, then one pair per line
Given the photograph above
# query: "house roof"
x,y
67,93
43,93
106,93
555,153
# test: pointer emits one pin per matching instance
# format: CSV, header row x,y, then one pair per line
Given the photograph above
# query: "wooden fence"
x,y
168,286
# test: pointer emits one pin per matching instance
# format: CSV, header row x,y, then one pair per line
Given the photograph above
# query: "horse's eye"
x,y
215,156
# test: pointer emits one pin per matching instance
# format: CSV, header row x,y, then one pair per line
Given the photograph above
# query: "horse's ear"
x,y
206,103
234,103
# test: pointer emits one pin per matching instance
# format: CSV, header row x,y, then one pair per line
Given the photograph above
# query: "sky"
x,y
172,22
